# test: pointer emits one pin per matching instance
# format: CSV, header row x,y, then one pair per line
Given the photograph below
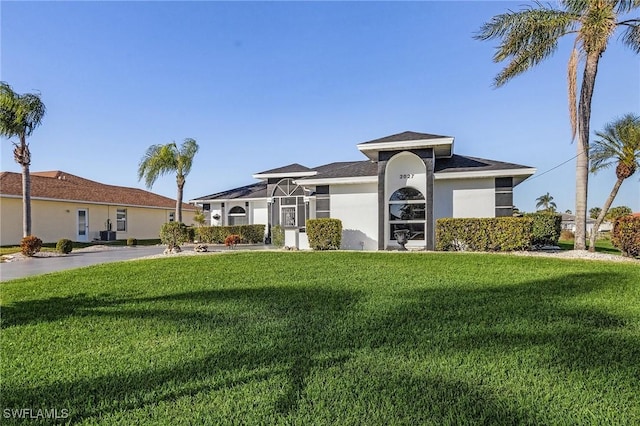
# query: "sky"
x,y
261,85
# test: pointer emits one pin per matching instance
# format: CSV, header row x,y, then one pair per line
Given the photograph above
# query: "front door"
x,y
83,226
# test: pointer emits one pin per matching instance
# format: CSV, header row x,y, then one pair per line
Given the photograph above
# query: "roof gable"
x,y
404,136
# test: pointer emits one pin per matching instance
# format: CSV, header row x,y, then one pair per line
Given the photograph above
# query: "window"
x,y
289,200
121,220
288,216
407,212
237,216
172,217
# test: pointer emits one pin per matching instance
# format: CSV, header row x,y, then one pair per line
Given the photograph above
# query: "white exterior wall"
x,y
258,212
464,198
357,207
216,210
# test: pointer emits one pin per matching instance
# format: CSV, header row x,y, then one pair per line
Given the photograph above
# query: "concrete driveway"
x,y
75,259
103,254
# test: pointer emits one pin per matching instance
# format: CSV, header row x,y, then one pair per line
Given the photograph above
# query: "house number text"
x,y
406,176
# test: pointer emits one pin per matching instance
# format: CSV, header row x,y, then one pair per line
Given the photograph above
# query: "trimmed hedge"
x,y
324,234
277,236
64,246
173,234
626,235
249,234
484,234
546,228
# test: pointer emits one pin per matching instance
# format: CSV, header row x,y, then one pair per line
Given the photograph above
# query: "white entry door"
x,y
83,226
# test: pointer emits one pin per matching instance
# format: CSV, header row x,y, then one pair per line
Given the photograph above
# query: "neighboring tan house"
x,y
409,180
68,206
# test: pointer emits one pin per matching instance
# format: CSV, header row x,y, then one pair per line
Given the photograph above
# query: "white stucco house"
x,y
407,182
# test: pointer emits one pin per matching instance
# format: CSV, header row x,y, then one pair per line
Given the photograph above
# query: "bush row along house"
x,y
409,180
67,206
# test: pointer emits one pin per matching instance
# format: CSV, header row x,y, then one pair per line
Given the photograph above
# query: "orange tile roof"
x,y
58,185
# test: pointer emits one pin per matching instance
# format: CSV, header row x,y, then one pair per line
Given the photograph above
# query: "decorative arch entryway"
x,y
405,197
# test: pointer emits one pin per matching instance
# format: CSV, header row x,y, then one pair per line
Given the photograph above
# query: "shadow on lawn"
x,y
300,331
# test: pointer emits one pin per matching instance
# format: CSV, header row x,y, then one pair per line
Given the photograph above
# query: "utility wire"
x,y
552,169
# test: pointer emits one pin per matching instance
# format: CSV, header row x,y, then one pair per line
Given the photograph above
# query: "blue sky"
x,y
265,84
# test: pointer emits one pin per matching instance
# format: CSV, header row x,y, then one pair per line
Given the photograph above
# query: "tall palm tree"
x,y
529,36
19,117
546,202
619,144
168,158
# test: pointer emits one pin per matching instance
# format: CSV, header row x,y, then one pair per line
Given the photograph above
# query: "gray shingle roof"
x,y
347,169
461,163
291,168
405,136
256,190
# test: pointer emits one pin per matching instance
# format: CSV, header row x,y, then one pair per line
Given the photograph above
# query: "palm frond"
x,y
631,35
526,37
572,84
157,160
618,142
625,6
19,114
185,156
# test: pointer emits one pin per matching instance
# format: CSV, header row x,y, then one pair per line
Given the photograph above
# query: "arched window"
x,y
407,212
289,205
237,216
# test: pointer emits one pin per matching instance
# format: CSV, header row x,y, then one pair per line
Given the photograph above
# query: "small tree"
x,y
594,212
616,213
199,218
19,116
173,234
619,145
546,202
163,159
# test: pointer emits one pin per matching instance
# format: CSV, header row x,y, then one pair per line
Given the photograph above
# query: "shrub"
x,y
173,234
64,246
484,234
249,234
132,242
191,233
232,240
277,236
565,234
324,234
626,235
30,245
546,228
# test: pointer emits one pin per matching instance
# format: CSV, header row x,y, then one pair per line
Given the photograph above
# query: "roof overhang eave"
x,y
522,174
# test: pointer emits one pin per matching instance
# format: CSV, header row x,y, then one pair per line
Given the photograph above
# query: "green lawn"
x,y
327,338
602,246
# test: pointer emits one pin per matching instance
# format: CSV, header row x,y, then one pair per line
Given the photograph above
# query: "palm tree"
x,y
19,117
163,159
546,202
531,35
619,144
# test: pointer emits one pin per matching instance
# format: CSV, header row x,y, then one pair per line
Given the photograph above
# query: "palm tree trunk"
x,y
179,202
582,147
26,201
603,213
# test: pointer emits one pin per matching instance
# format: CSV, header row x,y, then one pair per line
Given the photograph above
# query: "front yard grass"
x,y
327,338
602,246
